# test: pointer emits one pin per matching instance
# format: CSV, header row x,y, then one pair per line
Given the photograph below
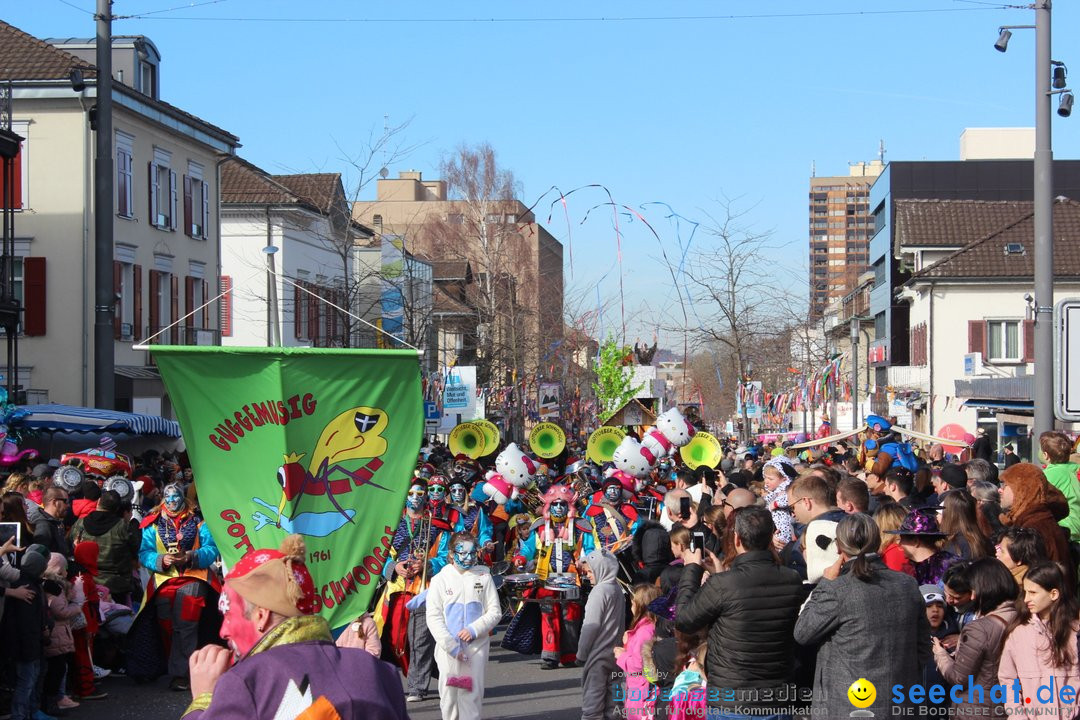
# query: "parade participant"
x,y
474,518
286,663
178,550
612,518
521,525
436,494
558,538
418,552
463,608
601,631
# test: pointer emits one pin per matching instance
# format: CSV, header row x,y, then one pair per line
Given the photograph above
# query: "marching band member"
x,y
557,540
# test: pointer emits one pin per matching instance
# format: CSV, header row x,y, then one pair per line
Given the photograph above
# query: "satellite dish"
x,y
383,172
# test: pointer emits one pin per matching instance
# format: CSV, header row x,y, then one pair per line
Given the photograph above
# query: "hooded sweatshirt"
x,y
1033,506
605,613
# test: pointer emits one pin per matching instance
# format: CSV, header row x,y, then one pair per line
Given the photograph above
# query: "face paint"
x,y
240,632
415,498
465,555
457,494
437,493
559,509
174,501
613,493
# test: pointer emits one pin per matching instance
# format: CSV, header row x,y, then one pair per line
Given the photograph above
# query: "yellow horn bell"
x,y
704,449
467,439
547,440
602,444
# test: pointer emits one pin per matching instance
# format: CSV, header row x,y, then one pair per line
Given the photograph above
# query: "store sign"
x,y
973,363
1067,360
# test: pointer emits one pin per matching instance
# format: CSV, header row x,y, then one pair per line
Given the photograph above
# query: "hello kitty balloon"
x,y
671,432
632,458
497,488
515,466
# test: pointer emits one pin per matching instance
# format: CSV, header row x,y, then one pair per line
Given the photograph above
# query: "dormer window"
x,y
148,79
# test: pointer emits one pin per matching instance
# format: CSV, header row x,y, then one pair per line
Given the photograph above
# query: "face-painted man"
x,y
613,493
459,491
437,489
559,509
416,498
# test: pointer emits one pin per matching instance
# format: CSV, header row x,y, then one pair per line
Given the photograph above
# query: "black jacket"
x,y
51,533
652,550
750,611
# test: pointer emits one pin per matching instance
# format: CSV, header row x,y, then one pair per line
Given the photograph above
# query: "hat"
x,y
954,476
664,606
919,522
931,594
277,580
34,561
41,470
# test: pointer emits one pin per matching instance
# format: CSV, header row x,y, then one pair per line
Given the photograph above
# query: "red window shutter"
x,y
225,305
155,302
16,183
118,286
136,319
313,318
977,336
187,206
1029,340
34,296
205,214
204,316
174,308
189,301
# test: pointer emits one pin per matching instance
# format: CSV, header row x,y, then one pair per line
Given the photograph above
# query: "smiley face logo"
x,y
862,693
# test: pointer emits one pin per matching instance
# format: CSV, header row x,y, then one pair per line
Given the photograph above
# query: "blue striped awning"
x,y
69,418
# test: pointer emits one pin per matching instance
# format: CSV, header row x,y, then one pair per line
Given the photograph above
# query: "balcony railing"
x,y
909,376
183,335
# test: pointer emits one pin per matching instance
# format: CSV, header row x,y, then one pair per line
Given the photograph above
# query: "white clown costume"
x,y
459,599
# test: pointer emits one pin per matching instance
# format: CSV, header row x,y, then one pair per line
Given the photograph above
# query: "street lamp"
x,y
273,329
854,372
1045,70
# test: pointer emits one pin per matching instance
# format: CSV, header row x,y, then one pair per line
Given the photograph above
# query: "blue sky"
x,y
684,102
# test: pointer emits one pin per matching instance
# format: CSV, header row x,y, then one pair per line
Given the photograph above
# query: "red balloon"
x,y
958,434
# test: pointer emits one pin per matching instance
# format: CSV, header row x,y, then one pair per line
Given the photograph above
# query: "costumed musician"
x,y
556,542
612,516
474,518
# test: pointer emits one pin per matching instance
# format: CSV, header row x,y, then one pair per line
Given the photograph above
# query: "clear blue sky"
x,y
680,101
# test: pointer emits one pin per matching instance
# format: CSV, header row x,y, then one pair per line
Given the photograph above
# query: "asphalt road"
x,y
516,688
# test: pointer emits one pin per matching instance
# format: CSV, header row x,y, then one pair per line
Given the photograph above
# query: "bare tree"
x,y
738,297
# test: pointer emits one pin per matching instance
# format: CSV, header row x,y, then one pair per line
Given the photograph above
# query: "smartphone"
x,y
697,542
684,508
11,530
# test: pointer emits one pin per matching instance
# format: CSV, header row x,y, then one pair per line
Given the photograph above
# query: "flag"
x,y
320,442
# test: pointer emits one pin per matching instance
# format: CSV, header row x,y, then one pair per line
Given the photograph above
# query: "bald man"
x,y
737,498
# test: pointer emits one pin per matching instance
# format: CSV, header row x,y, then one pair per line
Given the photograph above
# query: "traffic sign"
x,y
431,410
431,426
1067,360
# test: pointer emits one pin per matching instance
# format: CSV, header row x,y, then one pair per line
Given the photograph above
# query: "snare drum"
x,y
566,584
520,583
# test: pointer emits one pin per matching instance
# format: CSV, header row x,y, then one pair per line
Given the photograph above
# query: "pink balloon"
x,y
958,434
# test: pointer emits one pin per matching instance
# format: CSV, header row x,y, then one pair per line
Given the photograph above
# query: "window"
x,y
1003,339
19,191
125,208
162,191
455,219
196,203
148,79
376,220
164,299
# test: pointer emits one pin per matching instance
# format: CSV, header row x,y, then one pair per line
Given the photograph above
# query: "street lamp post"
x,y
1043,195
855,415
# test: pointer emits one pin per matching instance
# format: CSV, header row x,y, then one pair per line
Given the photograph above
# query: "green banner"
x,y
320,442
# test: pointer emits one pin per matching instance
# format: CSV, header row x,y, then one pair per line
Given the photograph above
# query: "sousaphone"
x,y
704,449
491,435
602,444
467,439
547,440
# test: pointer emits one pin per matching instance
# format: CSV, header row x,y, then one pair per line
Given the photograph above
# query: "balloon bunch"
x,y
671,432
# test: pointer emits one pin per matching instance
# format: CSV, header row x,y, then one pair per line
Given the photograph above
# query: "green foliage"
x,y
612,386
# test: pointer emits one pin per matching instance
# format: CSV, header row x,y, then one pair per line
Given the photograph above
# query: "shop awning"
x,y
1000,405
70,418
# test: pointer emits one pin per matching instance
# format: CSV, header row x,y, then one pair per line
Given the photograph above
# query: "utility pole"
x,y
854,372
104,298
273,326
1044,228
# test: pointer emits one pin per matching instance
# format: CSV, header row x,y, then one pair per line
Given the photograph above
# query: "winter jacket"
x,y
1027,656
118,548
841,614
363,634
49,531
1042,521
62,610
670,575
631,662
977,655
22,633
652,550
895,559
8,575
1063,476
82,507
750,611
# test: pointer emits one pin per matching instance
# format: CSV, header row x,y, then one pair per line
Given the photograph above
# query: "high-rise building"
x,y
840,229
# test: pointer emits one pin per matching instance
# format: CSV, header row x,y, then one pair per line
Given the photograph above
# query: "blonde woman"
x,y
889,517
